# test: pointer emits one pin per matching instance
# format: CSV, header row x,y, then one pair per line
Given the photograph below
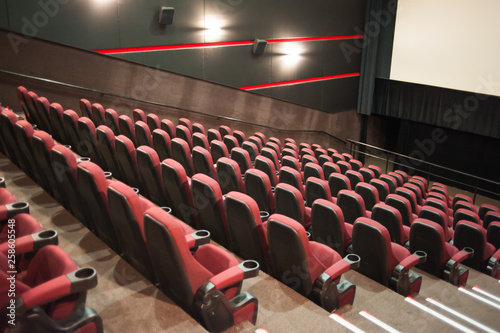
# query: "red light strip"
x,y
311,39
219,44
293,82
172,47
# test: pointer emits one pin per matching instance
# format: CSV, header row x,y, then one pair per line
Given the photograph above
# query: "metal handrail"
x,y
166,105
428,172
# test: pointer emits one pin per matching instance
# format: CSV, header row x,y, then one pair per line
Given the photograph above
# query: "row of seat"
x,y
121,223
150,156
289,151
42,288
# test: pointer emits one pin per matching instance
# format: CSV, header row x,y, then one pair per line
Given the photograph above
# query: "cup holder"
x,y
421,254
202,233
85,273
20,205
167,209
83,159
2,182
273,189
250,268
264,215
47,234
469,250
309,236
250,264
108,174
136,190
67,146
20,118
353,259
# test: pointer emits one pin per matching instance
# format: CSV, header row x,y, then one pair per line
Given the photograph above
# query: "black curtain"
x,y
447,108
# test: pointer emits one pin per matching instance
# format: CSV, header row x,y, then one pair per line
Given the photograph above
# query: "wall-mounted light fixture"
x,y
166,15
259,45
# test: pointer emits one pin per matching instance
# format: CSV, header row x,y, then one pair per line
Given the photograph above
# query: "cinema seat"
x,y
153,121
369,193
317,189
493,234
242,157
162,143
338,182
329,168
199,128
182,154
184,133
262,138
186,122
383,261
200,140
246,228
322,159
267,166
8,120
231,142
240,136
442,258
355,177
391,181
126,127
313,170
64,163
438,216
106,145
218,149
411,197
399,178
485,208
404,206
251,148
391,219
337,158
489,217
22,95
367,174
125,155
98,114
258,186
51,295
43,105
257,142
111,120
320,267
127,209
486,257
203,163
148,164
209,208
143,134
355,164
465,214
206,283
42,144
229,176
328,226
88,140
139,115
353,205
56,112
178,191
290,202
93,187
292,177
23,134
213,134
85,108
291,162
169,127
307,159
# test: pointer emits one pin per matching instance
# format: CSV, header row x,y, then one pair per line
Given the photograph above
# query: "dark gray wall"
x,y
93,24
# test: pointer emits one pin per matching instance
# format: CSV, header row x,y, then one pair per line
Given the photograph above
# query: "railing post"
x,y
386,162
429,173
475,192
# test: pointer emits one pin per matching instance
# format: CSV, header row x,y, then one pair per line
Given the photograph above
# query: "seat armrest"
x,y
350,261
198,238
245,270
404,266
466,253
29,243
493,266
74,282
